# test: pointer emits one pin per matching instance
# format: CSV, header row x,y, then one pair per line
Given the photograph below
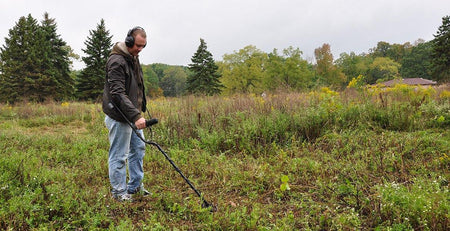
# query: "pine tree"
x,y
441,52
204,78
91,79
34,62
21,61
56,63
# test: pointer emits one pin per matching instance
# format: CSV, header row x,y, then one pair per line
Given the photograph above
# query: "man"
x,y
124,89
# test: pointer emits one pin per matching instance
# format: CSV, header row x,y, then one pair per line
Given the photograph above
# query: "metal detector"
x,y
149,123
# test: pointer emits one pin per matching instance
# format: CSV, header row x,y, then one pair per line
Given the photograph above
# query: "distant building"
x,y
409,81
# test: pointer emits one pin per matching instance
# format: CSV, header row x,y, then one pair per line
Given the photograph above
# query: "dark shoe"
x,y
140,191
123,197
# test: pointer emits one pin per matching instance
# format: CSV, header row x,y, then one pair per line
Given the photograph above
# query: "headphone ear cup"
x,y
129,40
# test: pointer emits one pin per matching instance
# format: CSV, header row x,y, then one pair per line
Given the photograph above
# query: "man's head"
x,y
136,40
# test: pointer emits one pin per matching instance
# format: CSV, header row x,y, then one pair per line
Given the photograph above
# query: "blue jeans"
x,y
125,146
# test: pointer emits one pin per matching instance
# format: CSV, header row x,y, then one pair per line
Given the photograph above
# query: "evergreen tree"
x,y
441,52
21,62
204,78
56,61
34,62
91,79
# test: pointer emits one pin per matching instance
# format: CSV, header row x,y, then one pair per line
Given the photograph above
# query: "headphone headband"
x,y
131,31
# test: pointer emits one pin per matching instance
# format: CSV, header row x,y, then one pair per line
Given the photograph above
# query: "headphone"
x,y
129,40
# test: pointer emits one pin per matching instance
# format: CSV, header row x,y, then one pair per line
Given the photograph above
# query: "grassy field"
x,y
360,159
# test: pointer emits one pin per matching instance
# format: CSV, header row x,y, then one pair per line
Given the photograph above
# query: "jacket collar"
x,y
121,49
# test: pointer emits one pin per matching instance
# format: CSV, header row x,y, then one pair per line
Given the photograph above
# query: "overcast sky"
x,y
174,27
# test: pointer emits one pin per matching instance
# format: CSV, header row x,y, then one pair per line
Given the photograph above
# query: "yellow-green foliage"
x,y
415,95
445,95
356,83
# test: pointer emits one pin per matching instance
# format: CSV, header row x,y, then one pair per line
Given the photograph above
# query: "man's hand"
x,y
140,123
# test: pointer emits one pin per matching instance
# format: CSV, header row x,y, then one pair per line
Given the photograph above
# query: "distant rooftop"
x,y
409,81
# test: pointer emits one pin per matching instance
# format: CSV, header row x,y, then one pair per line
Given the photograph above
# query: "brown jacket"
x,y
124,85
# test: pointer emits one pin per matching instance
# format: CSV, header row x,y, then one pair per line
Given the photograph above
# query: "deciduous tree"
x,y
394,51
243,71
382,69
174,81
418,62
151,81
288,70
328,73
353,65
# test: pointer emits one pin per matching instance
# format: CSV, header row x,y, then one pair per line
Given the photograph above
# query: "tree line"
x,y
35,66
